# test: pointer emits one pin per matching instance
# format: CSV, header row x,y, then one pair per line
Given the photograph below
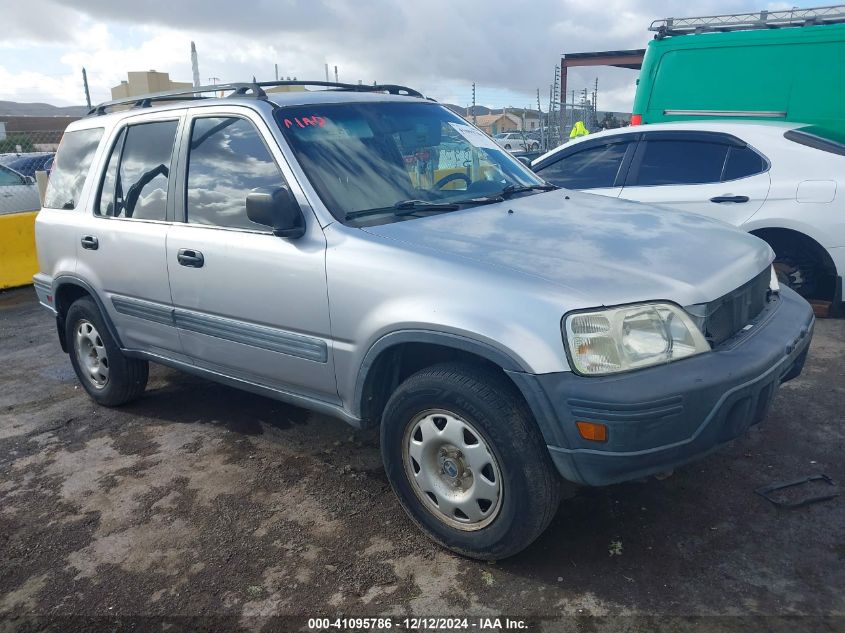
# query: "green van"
x,y
745,70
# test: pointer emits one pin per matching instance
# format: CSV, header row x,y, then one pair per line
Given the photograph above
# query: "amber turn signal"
x,y
592,431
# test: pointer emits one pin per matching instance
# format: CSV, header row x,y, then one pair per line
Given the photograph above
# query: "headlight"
x,y
610,341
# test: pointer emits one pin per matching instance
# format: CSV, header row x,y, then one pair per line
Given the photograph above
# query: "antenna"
x,y
85,85
195,65
474,120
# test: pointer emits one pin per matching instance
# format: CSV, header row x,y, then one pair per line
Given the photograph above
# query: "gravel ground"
x,y
202,501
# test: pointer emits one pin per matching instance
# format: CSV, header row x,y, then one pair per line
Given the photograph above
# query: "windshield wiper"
x,y
510,190
507,192
405,207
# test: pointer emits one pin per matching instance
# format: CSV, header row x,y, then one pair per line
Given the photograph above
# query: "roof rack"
x,y
251,89
834,14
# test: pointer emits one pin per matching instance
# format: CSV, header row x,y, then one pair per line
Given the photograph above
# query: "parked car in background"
x,y
28,164
783,182
502,334
517,141
17,192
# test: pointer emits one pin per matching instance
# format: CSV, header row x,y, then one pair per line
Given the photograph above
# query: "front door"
x,y
247,303
595,166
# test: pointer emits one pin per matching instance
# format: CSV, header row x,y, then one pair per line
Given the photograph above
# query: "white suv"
x,y
783,182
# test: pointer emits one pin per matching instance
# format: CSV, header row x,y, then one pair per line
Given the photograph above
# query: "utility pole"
x,y
474,120
335,75
540,123
277,71
85,85
327,73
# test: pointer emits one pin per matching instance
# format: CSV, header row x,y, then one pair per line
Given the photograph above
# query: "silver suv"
x,y
366,253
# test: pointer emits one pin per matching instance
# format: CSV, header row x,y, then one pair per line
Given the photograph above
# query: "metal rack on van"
x,y
744,21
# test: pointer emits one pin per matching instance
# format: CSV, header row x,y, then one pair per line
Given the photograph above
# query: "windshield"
x,y
385,156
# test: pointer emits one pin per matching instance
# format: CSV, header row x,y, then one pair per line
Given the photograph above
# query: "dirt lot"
x,y
199,500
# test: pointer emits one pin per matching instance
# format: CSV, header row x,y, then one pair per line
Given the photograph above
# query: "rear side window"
x,y
70,168
588,169
681,163
742,162
227,160
135,183
8,177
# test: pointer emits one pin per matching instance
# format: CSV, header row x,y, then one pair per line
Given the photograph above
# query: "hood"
x,y
605,250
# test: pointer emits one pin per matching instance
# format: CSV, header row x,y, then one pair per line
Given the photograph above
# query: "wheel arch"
x,y
66,290
781,239
397,355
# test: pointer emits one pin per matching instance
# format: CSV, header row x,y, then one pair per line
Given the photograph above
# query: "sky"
x,y
509,49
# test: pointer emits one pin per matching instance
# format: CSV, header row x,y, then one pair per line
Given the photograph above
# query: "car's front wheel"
x,y
109,377
467,461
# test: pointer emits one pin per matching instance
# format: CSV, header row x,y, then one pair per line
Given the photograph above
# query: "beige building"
x,y
145,82
494,124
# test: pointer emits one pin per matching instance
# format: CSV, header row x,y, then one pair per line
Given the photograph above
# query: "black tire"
x,y
507,145
485,398
799,274
127,377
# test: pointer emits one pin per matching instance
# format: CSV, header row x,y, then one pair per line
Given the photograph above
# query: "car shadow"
x,y
175,396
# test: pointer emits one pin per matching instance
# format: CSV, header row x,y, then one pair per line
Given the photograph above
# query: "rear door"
x,y
595,166
121,241
247,303
708,173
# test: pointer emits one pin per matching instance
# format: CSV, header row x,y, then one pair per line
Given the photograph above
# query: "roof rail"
x,y
834,14
251,89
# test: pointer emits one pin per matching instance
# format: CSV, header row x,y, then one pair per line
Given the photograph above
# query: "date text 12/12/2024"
x,y
418,624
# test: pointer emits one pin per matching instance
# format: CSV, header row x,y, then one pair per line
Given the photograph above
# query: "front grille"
x,y
730,313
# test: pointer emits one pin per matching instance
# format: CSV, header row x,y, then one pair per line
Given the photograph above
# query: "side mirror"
x,y
525,161
28,180
277,208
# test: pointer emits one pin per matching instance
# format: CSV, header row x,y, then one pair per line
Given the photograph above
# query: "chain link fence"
x,y
22,154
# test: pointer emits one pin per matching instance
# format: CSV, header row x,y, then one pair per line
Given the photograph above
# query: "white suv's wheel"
x,y
452,469
109,377
467,461
91,354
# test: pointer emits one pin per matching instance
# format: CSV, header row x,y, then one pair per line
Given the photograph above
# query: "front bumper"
x,y
662,417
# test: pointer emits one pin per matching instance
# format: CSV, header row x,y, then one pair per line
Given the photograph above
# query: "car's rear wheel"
x,y
109,377
507,145
467,461
798,274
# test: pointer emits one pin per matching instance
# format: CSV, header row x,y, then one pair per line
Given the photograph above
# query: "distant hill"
x,y
466,112
13,108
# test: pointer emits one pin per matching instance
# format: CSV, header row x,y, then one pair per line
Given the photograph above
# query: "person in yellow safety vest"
x,y
579,129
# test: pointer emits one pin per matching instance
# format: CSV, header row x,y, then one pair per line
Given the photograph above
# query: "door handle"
x,y
729,199
190,258
90,242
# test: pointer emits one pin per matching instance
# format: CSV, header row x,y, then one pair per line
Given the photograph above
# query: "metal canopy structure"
x,y
632,59
834,14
